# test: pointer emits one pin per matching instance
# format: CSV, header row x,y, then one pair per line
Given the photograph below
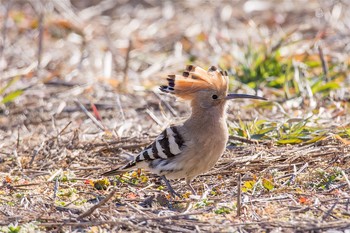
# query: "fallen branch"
x,y
93,208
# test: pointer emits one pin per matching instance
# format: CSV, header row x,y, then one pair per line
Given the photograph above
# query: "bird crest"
x,y
195,79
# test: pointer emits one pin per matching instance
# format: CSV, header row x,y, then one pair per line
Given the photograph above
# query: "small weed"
x,y
80,202
19,195
13,229
12,95
203,203
60,203
248,185
268,184
327,179
223,210
11,203
101,184
67,192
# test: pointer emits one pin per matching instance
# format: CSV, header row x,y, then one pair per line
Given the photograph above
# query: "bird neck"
x,y
212,117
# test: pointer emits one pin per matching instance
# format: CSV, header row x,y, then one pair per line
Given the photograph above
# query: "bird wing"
x,y
168,144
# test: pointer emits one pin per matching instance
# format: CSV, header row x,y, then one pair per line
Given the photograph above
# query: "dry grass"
x,y
86,78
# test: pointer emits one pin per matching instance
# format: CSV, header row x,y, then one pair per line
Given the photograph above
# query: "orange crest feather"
x,y
196,79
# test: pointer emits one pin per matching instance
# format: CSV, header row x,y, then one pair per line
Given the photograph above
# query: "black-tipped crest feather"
x,y
194,79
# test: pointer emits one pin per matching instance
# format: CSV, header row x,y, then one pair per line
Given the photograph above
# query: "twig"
x,y
346,177
175,215
294,175
65,9
323,61
35,153
242,139
97,10
154,117
136,209
54,175
4,31
167,105
18,161
279,198
60,133
328,213
69,210
239,195
40,40
120,107
18,72
18,138
53,120
36,172
55,188
126,67
93,208
115,222
133,146
120,141
29,184
88,114
82,224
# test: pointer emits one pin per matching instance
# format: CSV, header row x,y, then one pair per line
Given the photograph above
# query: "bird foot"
x,y
170,189
173,193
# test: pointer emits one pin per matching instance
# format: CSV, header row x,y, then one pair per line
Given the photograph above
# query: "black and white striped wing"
x,y
168,144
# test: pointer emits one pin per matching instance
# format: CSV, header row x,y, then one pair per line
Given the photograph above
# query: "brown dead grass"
x,y
52,153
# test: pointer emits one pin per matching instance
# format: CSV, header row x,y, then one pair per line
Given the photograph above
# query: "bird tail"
x,y
120,170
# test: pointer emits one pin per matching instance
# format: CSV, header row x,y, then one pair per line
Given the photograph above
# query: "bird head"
x,y
203,88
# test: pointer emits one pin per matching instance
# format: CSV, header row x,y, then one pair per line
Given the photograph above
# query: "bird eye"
x,y
214,97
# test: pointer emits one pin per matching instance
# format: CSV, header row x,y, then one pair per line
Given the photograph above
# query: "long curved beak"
x,y
243,96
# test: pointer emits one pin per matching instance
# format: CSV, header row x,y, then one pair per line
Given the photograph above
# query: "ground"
x,y
79,95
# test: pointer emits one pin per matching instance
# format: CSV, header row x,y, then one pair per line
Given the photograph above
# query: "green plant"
x,y
223,210
264,66
12,95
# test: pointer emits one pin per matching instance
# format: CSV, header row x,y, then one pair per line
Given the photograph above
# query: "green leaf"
x,y
249,184
223,210
266,130
14,229
257,136
313,63
315,139
11,96
325,87
290,141
347,131
268,184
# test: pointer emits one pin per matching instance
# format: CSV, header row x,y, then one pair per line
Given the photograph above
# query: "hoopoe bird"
x,y
193,147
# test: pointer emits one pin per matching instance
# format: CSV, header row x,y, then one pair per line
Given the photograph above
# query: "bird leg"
x,y
170,189
188,182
